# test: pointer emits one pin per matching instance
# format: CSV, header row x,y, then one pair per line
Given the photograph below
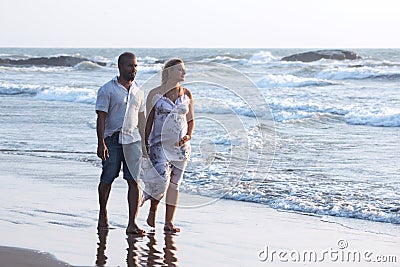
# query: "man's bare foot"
x,y
102,224
151,219
169,227
134,230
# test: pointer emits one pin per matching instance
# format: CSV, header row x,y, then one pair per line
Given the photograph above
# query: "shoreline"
x,y
57,214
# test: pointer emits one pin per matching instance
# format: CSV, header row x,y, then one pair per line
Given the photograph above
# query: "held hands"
x,y
184,140
145,152
102,151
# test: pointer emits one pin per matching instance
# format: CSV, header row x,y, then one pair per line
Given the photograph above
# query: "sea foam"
x,y
68,94
387,117
358,73
272,81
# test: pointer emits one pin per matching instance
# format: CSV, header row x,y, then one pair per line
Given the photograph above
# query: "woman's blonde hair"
x,y
167,65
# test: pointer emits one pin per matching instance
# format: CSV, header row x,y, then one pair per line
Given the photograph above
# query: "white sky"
x,y
200,23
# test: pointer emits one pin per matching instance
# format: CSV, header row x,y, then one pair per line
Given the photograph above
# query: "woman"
x,y
169,127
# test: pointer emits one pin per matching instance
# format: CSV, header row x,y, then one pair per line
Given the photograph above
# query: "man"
x,y
118,130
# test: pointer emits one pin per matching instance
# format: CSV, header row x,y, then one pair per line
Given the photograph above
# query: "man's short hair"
x,y
125,55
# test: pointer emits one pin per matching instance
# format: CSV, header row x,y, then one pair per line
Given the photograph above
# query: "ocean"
x,y
319,138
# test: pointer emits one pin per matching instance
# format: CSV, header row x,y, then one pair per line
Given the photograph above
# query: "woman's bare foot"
x,y
151,219
169,227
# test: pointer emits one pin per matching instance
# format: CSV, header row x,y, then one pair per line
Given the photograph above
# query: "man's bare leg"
x,y
133,202
104,192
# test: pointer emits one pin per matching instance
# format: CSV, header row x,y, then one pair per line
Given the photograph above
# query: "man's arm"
x,y
149,119
102,151
142,126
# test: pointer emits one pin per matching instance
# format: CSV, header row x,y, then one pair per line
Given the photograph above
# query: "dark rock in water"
x,y
66,61
356,66
320,54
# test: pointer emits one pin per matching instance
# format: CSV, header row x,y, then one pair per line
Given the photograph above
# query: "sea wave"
x,y
272,81
14,56
259,58
149,60
287,110
262,57
220,59
149,69
7,88
68,94
283,196
33,69
87,65
385,117
359,73
341,209
50,93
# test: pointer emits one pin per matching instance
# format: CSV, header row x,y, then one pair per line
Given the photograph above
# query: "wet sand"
x,y
10,256
46,206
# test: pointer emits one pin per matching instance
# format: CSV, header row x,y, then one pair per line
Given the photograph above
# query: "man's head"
x,y
127,66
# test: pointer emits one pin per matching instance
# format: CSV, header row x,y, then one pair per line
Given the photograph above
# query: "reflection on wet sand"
x,y
101,258
170,258
153,254
142,250
132,258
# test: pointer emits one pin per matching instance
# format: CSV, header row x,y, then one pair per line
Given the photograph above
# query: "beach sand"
x,y
10,256
50,205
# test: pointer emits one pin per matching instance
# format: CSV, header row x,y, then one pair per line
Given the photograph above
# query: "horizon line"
x,y
217,47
